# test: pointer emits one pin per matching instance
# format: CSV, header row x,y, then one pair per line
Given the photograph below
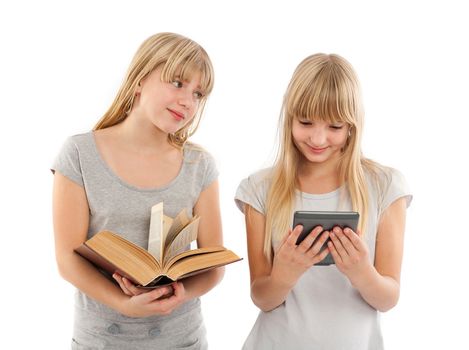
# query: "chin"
x,y
320,158
167,129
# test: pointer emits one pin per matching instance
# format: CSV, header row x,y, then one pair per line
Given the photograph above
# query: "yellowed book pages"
x,y
200,262
182,240
156,239
167,223
178,223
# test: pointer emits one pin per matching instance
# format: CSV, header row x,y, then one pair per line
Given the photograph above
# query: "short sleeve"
x,y
253,191
397,188
211,171
67,162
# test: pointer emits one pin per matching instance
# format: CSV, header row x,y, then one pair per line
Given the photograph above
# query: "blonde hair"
x,y
323,87
179,57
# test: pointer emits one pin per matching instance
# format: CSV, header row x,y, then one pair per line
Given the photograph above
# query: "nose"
x,y
317,136
186,98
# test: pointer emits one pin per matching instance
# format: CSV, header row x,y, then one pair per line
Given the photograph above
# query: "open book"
x,y
166,260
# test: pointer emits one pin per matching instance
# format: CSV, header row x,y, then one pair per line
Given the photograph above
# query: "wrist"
x,y
363,277
121,304
282,279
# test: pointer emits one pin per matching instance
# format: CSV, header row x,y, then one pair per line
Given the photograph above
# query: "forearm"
x,y
380,292
90,281
200,284
268,292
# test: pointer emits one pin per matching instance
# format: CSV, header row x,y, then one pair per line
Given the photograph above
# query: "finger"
x,y
334,253
131,287
118,278
338,246
322,255
355,239
167,305
292,238
316,247
307,243
179,290
170,292
346,243
154,294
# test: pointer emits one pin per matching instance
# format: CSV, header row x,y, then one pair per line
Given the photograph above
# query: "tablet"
x,y
328,220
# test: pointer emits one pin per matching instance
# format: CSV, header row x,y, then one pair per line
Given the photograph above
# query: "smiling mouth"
x,y
176,115
316,150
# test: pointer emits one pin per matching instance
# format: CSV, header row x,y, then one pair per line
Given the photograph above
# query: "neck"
x,y
318,177
318,170
143,136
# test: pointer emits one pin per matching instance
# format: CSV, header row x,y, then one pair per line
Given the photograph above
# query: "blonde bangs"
x,y
322,92
185,62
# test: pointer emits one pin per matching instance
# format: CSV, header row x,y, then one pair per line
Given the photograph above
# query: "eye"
x,y
198,95
177,83
305,122
336,126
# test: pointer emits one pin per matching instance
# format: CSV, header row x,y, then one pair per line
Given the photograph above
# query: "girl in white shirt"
x,y
320,167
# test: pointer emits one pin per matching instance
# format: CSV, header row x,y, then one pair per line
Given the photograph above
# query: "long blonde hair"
x,y
178,56
323,87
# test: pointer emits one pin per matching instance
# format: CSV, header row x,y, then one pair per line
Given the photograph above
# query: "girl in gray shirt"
x,y
137,156
320,168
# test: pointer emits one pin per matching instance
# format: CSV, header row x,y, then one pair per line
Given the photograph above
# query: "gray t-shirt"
x,y
323,310
125,209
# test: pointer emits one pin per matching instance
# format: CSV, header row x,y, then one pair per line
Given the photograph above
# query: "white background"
x,y
62,62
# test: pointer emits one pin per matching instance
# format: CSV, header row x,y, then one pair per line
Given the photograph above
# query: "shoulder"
x,y
381,175
69,160
194,152
253,190
386,184
78,141
258,181
261,177
201,163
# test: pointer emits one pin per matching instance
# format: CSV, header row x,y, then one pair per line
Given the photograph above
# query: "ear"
x,y
138,89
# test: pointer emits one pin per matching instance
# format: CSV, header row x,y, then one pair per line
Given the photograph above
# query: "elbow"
x,y
262,304
62,268
386,308
65,263
219,274
214,276
390,303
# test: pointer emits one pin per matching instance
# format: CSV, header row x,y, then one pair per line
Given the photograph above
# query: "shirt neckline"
x,y
327,195
111,172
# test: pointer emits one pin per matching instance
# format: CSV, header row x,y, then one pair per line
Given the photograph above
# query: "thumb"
x,y
156,293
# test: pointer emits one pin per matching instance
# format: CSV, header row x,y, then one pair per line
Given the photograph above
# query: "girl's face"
x,y
319,141
168,106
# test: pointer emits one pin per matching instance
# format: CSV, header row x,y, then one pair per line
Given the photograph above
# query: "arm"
x,y
271,282
379,285
71,219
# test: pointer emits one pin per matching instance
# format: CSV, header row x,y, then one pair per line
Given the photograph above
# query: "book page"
x,y
182,240
167,223
179,222
112,253
206,259
155,238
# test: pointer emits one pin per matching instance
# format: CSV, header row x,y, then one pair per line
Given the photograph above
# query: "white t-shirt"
x,y
323,310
